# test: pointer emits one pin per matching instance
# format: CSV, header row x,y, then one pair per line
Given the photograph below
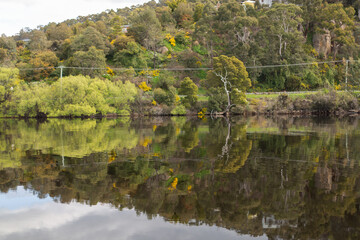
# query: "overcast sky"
x,y
18,14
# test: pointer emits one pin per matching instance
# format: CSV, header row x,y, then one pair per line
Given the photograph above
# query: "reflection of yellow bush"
x,y
173,184
202,113
145,142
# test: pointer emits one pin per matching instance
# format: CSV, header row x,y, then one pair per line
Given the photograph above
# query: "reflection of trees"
x,y
228,143
75,138
298,184
190,136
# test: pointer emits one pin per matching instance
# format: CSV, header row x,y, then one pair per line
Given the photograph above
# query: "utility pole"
x,y
61,76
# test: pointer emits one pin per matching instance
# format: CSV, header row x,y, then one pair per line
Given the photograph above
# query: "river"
x,y
180,178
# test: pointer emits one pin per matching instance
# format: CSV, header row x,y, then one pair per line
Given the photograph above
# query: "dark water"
x,y
179,178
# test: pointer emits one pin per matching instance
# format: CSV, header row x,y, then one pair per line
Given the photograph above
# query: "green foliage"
x,y
165,80
293,83
146,28
132,56
182,38
179,110
190,90
204,34
167,97
231,68
347,101
199,8
58,32
312,79
238,97
324,101
173,4
217,99
38,41
339,21
72,96
231,75
43,62
88,39
93,58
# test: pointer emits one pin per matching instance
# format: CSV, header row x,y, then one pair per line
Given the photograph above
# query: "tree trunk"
x,y
228,97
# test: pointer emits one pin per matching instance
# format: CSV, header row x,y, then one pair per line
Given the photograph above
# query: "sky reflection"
x,y
24,216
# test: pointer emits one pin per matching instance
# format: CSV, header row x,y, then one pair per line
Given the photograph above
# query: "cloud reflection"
x,y
51,220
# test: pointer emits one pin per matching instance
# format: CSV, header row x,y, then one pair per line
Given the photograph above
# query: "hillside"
x,y
157,45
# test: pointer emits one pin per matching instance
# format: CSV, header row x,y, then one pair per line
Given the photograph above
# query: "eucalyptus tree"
x,y
146,29
229,73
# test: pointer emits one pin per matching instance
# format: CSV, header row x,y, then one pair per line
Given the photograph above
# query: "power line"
x,y
182,69
293,65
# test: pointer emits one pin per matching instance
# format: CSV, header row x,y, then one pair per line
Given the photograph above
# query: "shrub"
x,y
217,100
166,80
166,97
346,101
293,83
179,110
324,101
72,96
190,90
182,38
283,102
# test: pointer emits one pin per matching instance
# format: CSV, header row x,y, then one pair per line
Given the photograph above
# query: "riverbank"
x,y
321,103
324,102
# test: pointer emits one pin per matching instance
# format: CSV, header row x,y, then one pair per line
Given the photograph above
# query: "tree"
x,y
230,74
58,32
7,50
190,90
132,56
173,4
38,41
89,38
339,21
282,21
43,62
146,30
310,9
183,14
116,24
205,29
9,79
199,8
93,61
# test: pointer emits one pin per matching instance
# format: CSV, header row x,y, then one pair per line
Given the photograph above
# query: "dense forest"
x,y
178,56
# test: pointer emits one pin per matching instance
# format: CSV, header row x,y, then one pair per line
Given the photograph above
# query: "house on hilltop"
x,y
266,2
262,2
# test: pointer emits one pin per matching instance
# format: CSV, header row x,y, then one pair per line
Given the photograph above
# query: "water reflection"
x,y
282,178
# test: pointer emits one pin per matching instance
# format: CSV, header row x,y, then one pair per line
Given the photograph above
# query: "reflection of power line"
x,y
177,160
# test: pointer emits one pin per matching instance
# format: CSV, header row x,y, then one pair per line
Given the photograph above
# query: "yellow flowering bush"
x,y
144,87
110,71
202,113
171,39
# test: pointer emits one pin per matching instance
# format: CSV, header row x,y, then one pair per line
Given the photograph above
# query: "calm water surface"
x,y
180,178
